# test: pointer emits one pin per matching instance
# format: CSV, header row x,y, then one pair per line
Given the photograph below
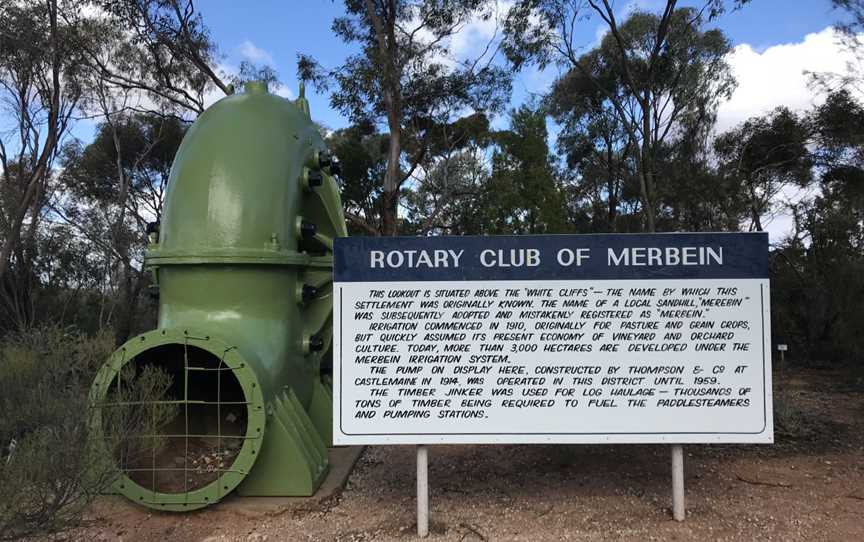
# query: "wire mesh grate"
x,y
205,433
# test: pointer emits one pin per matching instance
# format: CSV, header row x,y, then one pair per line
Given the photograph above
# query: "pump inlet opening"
x,y
176,418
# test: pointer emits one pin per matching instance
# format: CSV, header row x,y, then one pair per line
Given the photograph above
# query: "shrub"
x,y
51,467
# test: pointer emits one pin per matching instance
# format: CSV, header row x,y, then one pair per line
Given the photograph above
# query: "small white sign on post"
x,y
661,338
782,347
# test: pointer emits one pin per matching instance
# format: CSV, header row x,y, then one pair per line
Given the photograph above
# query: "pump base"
x,y
293,458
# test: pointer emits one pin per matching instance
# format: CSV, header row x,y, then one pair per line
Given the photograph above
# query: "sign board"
x,y
782,347
552,339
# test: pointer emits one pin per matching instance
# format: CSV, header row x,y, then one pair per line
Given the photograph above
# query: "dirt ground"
x,y
807,486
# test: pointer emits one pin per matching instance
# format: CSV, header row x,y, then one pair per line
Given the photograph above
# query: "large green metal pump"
x,y
243,264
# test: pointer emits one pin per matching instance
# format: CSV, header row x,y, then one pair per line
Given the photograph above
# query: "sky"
x,y
775,42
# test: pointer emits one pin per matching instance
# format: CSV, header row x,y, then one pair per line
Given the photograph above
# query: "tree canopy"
x,y
405,79
624,140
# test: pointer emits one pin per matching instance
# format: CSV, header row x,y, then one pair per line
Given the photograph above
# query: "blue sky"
x,y
775,42
275,31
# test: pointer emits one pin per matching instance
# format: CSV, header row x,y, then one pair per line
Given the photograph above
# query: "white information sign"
x,y
568,339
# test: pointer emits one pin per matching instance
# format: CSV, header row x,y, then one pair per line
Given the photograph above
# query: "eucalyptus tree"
x,y
452,198
157,69
524,194
408,80
819,269
42,81
131,154
362,153
158,54
64,60
597,150
764,155
654,74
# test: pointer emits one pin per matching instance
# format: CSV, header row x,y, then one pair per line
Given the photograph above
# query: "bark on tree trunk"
x,y
646,178
132,285
647,204
385,34
390,207
33,187
757,220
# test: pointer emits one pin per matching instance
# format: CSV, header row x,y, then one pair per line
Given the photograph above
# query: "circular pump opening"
x,y
177,420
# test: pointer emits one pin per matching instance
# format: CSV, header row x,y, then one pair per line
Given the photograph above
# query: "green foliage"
x,y
793,420
250,71
430,89
404,78
51,466
43,82
476,181
523,195
762,156
451,198
818,274
27,46
131,412
693,197
109,60
818,286
443,185
115,185
630,106
145,146
362,153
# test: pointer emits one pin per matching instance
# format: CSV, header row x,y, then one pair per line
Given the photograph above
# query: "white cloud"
x,y
249,51
649,6
282,90
227,71
473,38
780,224
477,37
776,76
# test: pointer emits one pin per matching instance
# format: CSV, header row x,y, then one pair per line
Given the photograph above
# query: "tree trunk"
x,y
756,220
10,244
647,205
40,171
384,24
133,283
646,175
390,207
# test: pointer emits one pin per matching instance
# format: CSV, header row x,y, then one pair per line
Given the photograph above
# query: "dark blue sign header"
x,y
552,257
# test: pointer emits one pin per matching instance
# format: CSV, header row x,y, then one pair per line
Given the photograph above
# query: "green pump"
x,y
243,264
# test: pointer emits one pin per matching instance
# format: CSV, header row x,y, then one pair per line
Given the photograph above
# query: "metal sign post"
x,y
679,510
422,491
781,368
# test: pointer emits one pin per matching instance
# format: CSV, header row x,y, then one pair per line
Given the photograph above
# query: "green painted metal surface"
x,y
243,265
